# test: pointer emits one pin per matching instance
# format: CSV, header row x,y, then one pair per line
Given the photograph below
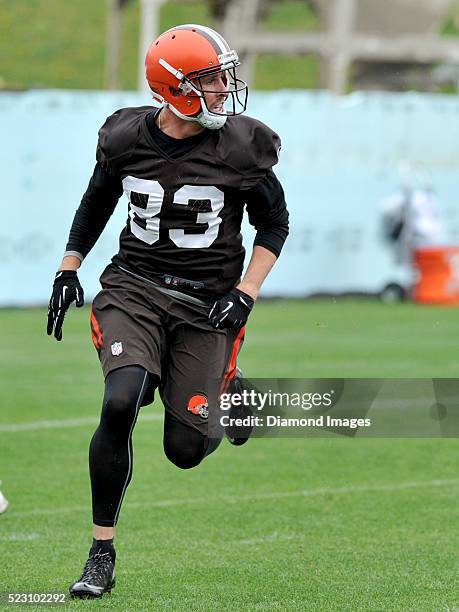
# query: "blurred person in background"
x,y
172,311
411,219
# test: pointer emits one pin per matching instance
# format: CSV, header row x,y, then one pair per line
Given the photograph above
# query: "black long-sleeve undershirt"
x,y
268,213
96,208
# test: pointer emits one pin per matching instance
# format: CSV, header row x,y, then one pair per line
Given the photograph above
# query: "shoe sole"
x,y
91,595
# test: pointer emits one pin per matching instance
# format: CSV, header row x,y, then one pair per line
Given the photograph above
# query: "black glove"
x,y
232,310
66,289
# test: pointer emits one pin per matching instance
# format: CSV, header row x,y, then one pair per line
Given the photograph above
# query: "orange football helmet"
x,y
178,60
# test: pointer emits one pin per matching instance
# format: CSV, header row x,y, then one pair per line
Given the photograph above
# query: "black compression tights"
x,y
110,451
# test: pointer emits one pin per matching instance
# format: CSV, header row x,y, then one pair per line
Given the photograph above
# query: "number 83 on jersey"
x,y
190,215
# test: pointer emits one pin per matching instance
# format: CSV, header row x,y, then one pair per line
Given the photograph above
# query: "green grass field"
x,y
291,524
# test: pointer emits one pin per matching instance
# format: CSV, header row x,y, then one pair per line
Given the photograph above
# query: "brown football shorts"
x,y
136,322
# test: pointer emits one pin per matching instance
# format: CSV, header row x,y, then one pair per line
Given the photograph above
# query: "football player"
x,y
172,310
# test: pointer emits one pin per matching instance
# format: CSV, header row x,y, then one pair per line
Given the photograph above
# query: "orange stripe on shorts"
x,y
231,369
96,332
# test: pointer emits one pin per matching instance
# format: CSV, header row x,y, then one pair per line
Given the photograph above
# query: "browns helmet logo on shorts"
x,y
198,405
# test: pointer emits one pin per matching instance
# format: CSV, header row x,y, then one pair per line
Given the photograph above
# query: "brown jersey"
x,y
185,213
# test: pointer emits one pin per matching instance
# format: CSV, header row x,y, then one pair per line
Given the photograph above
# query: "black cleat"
x,y
238,435
98,577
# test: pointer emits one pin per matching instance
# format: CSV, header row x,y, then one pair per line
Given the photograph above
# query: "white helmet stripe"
x,y
218,42
218,38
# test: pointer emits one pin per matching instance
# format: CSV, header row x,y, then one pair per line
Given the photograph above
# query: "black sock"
x,y
103,546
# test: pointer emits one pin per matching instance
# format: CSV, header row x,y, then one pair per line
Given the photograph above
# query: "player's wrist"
x,y
249,289
70,263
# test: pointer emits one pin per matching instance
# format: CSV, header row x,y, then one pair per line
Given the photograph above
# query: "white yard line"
x,y
229,499
19,537
64,423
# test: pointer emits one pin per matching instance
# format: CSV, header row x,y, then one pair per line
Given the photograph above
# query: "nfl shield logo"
x,y
117,348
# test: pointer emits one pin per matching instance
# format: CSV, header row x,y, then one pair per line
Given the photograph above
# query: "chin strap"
x,y
209,120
